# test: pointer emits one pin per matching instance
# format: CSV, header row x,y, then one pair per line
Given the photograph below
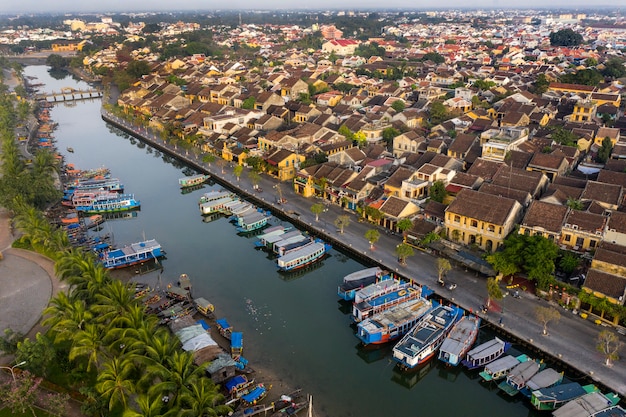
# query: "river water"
x,y
292,323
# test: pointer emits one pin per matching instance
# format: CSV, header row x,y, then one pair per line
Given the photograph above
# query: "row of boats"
x,y
386,309
98,195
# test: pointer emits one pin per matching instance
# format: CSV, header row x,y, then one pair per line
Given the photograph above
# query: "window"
x,y
491,228
457,219
592,243
567,238
580,241
474,223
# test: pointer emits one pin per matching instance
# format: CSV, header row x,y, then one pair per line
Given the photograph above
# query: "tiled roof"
x,y
394,206
481,206
550,217
604,193
587,222
605,283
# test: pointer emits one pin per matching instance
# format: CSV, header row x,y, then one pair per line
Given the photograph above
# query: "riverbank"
x,y
571,344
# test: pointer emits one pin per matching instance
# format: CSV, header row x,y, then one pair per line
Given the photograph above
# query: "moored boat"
x,y
192,180
369,302
303,256
254,395
423,341
360,279
546,378
485,353
273,231
105,204
517,377
203,306
459,340
554,397
215,206
224,328
252,222
588,405
499,368
392,324
214,195
131,254
109,184
238,386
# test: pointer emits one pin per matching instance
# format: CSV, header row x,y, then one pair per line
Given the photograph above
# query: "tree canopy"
x,y
565,37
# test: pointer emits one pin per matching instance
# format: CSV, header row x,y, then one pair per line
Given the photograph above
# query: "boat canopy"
x,y
223,323
236,340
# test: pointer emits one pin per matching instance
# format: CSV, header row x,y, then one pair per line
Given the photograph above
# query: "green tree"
x,y
493,290
398,105
569,262
539,257
237,171
437,191
203,399
614,68
37,354
443,267
342,222
404,225
248,103
545,315
389,134
540,85
137,69
115,383
317,209
438,112
605,150
56,61
574,204
608,344
565,37
372,236
434,57
346,132
403,251
255,178
484,85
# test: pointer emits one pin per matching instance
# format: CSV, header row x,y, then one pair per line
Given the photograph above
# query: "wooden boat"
x,y
459,341
373,300
255,395
236,344
423,341
253,222
238,386
587,405
269,232
192,180
131,254
177,293
214,195
204,307
360,279
71,150
499,368
554,397
517,377
303,256
184,282
393,323
215,206
485,353
224,328
546,378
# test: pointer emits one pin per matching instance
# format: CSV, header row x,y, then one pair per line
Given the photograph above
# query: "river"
x,y
291,323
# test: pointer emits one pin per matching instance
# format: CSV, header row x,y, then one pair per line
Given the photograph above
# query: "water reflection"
x,y
371,354
299,273
449,373
408,379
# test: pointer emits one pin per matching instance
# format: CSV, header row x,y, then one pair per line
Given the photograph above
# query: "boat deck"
x,y
427,331
396,316
499,367
460,338
478,355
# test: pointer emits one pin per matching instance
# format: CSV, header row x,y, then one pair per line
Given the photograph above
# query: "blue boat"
x,y
224,328
255,395
393,323
424,340
238,385
360,279
107,204
386,295
304,256
236,344
131,254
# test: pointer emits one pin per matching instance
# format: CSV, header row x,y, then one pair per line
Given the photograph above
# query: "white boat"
x,y
517,377
215,206
459,340
303,256
499,368
485,353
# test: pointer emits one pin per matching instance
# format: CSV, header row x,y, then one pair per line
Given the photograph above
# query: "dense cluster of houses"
x,y
496,153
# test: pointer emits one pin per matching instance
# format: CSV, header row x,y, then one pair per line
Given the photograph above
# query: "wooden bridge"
x,y
70,94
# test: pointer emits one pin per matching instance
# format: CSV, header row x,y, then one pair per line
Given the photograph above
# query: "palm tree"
x,y
114,300
149,405
88,343
67,315
115,383
178,374
202,399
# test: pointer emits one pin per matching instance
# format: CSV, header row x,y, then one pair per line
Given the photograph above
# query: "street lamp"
x,y
11,368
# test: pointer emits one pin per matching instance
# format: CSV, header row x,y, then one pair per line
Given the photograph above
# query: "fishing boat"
x,y
588,405
105,204
485,353
203,306
131,254
546,378
236,344
254,395
192,180
360,279
459,341
238,386
423,341
393,323
546,399
517,377
224,328
177,293
303,256
373,300
499,368
71,150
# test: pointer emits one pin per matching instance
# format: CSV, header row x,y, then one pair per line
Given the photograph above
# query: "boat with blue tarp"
x,y
236,344
393,323
255,395
224,327
423,341
238,386
485,353
131,254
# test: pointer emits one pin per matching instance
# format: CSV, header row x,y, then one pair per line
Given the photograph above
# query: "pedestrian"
x,y
500,321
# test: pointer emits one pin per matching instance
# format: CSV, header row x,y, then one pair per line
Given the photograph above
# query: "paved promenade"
x,y
571,340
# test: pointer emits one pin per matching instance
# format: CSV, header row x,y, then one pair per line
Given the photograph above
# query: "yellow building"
x,y
67,46
582,231
584,111
285,163
481,219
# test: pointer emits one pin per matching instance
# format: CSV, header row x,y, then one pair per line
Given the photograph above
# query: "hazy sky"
x,y
34,6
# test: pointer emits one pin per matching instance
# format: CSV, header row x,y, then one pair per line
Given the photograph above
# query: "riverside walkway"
x,y
571,340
